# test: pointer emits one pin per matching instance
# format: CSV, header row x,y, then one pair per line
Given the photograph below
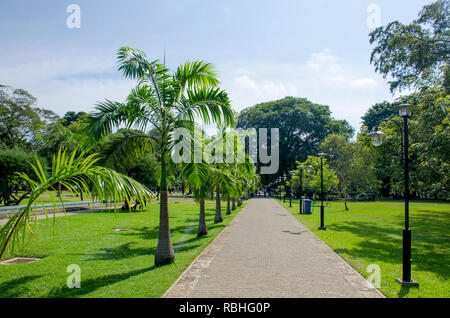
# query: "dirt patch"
x,y
19,260
118,229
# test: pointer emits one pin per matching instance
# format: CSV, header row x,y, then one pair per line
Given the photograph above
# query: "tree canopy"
x,y
415,55
303,126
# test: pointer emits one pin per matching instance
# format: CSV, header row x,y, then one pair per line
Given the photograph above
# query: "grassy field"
x,y
113,264
371,233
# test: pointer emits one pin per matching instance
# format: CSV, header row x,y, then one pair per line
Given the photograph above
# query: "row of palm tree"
x,y
230,180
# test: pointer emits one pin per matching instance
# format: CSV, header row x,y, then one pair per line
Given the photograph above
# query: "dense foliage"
x,y
415,55
303,126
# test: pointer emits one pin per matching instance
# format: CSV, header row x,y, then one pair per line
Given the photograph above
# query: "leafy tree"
x,y
429,137
377,113
430,144
71,117
303,126
20,121
352,165
162,102
12,161
415,55
312,178
145,170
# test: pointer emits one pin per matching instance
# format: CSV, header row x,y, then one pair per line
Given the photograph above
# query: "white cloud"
x,y
81,94
245,91
364,83
226,10
323,78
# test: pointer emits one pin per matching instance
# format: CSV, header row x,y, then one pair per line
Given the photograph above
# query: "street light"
x,y
322,214
377,137
290,188
300,169
405,111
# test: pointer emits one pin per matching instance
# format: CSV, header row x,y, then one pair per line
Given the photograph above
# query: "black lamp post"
x,y
300,168
290,189
405,110
322,214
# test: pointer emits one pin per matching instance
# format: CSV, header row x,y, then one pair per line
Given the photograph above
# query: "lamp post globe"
x,y
377,138
405,109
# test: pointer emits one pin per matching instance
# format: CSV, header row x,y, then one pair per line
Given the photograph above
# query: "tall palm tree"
x,y
163,101
74,172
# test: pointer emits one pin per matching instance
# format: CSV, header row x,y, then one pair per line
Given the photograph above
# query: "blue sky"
x,y
264,50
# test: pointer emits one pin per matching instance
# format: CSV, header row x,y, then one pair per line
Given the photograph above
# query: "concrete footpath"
x,y
267,252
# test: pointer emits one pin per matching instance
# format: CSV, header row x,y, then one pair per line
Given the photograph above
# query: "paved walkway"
x,y
267,252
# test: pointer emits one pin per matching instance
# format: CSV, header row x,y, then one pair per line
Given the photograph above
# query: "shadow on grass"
x,y
13,288
90,285
404,291
383,243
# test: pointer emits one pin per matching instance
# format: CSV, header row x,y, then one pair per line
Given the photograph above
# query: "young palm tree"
x,y
162,102
222,181
197,177
74,173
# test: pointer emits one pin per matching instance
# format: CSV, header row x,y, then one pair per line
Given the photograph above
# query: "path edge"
x,y
203,253
334,252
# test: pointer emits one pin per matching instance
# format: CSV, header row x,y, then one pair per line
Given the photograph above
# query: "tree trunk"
x,y
202,229
233,204
218,216
164,250
228,206
345,204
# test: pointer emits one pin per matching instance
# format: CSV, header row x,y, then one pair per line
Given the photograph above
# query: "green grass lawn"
x,y
371,233
113,264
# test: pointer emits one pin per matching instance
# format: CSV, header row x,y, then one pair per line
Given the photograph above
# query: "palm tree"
x,y
71,171
222,181
197,177
162,102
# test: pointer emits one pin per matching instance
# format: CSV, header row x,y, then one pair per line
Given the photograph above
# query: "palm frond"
x,y
211,105
71,170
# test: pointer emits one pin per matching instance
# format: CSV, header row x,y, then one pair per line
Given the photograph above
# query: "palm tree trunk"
x,y
233,204
228,206
218,216
202,229
164,250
